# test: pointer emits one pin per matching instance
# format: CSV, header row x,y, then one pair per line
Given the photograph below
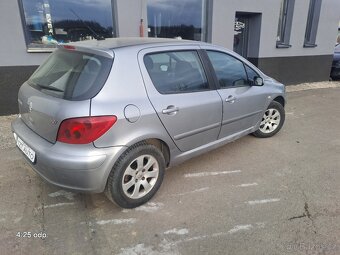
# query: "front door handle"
x,y
170,110
231,99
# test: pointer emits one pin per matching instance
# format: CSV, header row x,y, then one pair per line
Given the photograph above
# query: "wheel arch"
x,y
157,142
280,100
162,146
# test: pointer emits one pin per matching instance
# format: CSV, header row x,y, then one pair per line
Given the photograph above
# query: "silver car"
x,y
110,116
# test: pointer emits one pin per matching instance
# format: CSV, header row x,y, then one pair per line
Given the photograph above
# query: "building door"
x,y
247,32
241,34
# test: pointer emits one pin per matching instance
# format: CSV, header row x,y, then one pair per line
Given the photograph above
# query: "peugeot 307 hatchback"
x,y
112,115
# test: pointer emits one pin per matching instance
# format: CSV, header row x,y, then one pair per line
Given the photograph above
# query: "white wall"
x,y
12,43
223,26
129,14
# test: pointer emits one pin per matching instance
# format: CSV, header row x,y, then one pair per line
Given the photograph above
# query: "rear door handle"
x,y
170,110
231,99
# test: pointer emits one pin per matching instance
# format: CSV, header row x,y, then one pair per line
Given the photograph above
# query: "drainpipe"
x,y
141,28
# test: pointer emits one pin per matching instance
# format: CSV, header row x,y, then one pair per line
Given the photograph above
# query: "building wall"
x,y
289,65
129,18
16,65
224,14
284,64
12,44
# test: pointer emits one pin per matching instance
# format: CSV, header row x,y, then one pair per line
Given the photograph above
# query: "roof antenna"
x,y
95,35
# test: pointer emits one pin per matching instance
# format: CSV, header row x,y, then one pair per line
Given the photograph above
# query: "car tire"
x,y
136,176
272,121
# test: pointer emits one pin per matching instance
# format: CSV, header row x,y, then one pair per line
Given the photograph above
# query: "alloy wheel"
x,y
270,121
140,176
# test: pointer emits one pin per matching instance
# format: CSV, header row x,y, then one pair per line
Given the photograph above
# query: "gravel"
x,y
314,85
6,140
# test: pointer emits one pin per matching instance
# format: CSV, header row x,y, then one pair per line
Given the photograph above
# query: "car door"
x,y
243,102
181,94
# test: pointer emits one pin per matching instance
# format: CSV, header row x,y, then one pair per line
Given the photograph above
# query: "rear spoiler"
x,y
97,51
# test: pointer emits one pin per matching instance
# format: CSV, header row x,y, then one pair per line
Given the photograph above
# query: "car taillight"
x,y
85,129
69,47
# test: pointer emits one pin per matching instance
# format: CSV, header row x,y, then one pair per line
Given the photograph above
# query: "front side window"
x,y
252,75
230,71
285,23
49,22
176,72
177,19
312,23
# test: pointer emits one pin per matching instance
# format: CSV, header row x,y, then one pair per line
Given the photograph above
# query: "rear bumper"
x,y
81,168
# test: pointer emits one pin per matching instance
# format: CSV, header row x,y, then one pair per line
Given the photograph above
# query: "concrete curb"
x,y
314,85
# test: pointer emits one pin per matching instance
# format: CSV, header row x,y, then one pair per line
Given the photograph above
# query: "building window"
x,y
312,23
177,19
285,23
49,22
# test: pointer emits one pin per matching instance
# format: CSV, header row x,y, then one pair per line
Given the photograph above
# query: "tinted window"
x,y
251,74
312,23
48,22
230,71
176,72
71,75
177,18
285,23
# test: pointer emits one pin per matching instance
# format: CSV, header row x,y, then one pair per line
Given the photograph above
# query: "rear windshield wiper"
x,y
50,88
47,87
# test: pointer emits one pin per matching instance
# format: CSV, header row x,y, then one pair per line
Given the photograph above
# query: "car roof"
x,y
113,43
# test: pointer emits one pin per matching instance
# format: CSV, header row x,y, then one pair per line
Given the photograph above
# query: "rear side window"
x,y
176,72
230,71
71,75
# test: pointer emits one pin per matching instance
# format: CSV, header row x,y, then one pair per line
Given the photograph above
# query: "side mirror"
x,y
258,81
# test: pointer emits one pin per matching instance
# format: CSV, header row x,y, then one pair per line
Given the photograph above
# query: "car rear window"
x,y
71,75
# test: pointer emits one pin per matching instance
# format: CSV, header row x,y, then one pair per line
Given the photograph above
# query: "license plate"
x,y
25,148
